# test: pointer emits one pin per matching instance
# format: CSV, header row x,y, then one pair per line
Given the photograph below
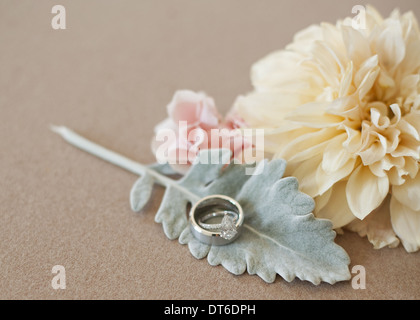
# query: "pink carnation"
x,y
192,116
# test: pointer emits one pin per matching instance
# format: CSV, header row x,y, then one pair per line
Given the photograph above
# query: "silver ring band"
x,y
216,226
213,206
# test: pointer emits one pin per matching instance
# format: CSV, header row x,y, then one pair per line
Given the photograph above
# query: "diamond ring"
x,y
212,208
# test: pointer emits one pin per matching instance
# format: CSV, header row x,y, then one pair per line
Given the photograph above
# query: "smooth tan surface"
x,y
109,76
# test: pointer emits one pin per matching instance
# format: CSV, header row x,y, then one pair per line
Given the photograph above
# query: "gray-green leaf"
x,y
280,234
141,192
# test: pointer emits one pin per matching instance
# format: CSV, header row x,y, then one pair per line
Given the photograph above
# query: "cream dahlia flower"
x,y
342,106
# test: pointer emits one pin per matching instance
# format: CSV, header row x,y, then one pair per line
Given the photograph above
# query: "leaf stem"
x,y
116,159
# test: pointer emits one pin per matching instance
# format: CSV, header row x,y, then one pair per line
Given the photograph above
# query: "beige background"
x,y
109,77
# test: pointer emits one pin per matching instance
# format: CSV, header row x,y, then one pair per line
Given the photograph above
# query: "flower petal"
x,y
373,17
375,150
364,69
368,82
354,141
313,115
305,173
337,199
406,223
326,179
409,193
274,138
322,200
358,48
277,71
335,156
411,61
193,107
365,191
389,44
266,108
305,141
377,227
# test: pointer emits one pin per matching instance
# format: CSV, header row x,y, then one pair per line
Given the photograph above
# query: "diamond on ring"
x,y
228,228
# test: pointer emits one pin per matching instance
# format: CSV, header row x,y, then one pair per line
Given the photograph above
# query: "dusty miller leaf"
x,y
143,187
141,192
280,235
